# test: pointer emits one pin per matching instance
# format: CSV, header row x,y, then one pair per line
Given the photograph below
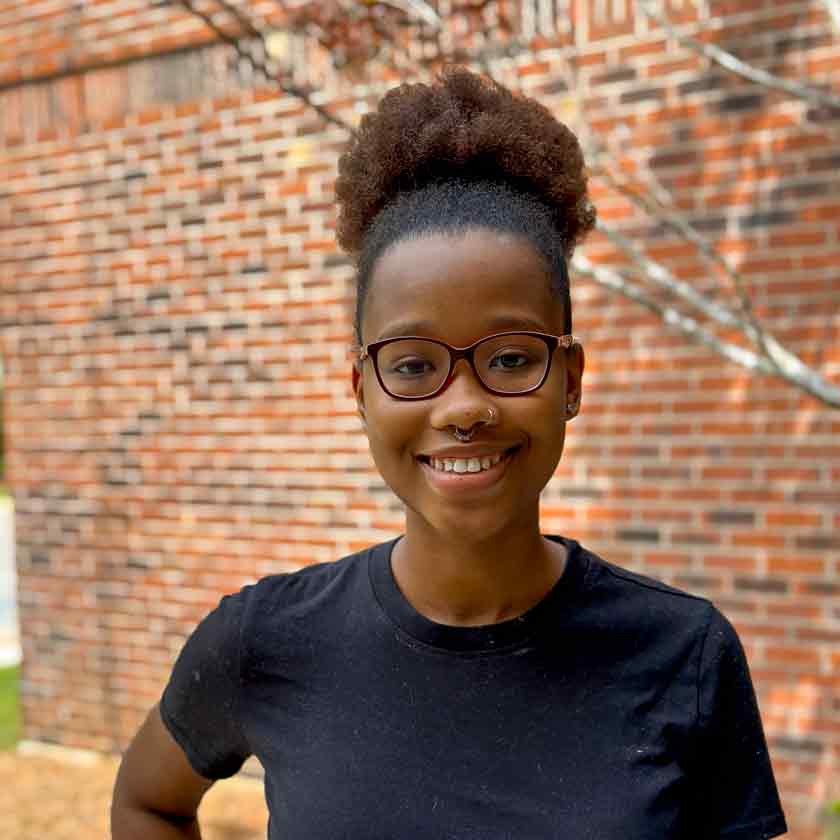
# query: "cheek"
x,y
551,433
546,412
394,428
546,423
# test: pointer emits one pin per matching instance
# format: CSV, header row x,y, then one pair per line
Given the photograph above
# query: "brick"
x,y
797,239
820,587
694,538
796,564
764,265
798,657
768,585
674,113
637,534
731,563
616,74
741,102
794,519
551,88
816,634
677,65
805,189
601,514
766,218
537,68
667,560
638,50
675,158
699,583
818,542
824,163
731,517
792,474
633,97
827,212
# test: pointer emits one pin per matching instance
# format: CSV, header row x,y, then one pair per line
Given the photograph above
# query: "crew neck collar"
x,y
503,635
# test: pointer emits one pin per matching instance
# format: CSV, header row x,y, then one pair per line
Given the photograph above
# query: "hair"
x,y
459,154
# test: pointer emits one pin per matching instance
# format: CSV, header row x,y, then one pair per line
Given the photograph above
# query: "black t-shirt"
x,y
617,708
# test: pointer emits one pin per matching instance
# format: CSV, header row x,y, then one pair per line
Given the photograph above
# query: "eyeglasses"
x,y
507,364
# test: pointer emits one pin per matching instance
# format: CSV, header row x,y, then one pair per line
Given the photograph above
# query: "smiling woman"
x,y
472,528
473,677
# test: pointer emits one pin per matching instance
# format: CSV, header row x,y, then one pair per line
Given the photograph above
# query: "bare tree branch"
x,y
241,18
793,371
662,277
741,68
421,10
833,7
773,358
611,279
236,42
671,218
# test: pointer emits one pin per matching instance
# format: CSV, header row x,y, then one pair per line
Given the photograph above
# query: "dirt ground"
x,y
47,797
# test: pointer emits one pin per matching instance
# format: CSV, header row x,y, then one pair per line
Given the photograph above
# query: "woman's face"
x,y
459,289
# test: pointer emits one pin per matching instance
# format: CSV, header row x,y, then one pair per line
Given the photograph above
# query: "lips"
x,y
454,484
467,453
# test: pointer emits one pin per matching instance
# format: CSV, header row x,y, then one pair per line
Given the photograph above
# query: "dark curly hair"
x,y
461,153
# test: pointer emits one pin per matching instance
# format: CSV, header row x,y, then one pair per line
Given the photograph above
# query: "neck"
x,y
465,581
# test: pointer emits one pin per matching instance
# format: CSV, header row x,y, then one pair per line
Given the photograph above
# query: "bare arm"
x,y
156,793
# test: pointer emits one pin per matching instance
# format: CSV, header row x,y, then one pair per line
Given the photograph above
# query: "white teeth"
x,y
463,465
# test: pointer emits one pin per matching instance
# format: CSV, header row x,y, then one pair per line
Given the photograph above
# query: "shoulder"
x,y
629,598
641,586
309,600
307,586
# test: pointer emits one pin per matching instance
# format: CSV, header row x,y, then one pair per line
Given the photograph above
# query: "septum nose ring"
x,y
465,435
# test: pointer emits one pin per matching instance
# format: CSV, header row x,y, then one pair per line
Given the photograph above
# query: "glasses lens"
x,y
413,367
512,363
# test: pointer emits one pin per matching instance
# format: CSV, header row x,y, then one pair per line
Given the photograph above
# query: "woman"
x,y
472,678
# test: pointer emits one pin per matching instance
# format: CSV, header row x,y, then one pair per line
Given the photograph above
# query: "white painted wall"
x,y
10,652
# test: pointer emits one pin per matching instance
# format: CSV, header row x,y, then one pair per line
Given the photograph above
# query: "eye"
x,y
411,367
510,360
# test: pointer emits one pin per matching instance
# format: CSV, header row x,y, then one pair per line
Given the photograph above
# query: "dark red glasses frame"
x,y
552,341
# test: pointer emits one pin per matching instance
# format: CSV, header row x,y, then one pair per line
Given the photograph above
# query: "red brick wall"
x,y
167,256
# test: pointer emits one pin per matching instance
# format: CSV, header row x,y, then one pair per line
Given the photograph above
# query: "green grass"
x,y
9,715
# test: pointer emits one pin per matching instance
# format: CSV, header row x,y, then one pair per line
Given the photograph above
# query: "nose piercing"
x,y
464,435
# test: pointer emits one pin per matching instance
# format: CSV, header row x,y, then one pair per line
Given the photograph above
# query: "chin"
x,y
471,523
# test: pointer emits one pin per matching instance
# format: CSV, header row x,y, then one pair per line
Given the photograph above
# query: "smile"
x,y
467,473
463,465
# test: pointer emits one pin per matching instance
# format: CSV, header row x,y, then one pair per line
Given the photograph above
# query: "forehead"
x,y
459,287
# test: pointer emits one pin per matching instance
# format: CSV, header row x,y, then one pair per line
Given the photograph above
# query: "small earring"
x,y
571,408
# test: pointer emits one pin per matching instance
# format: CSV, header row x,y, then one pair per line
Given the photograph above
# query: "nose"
x,y
463,402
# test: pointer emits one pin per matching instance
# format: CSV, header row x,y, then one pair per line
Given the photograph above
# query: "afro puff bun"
x,y
463,126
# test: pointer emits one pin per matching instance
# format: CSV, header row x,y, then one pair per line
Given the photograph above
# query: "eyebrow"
x,y
503,322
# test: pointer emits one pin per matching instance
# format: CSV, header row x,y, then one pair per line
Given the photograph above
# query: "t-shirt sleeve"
x,y
735,792
199,705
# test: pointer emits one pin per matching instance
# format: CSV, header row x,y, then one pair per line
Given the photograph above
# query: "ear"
x,y
358,391
575,362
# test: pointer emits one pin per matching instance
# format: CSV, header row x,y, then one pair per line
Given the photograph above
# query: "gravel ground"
x,y
47,797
